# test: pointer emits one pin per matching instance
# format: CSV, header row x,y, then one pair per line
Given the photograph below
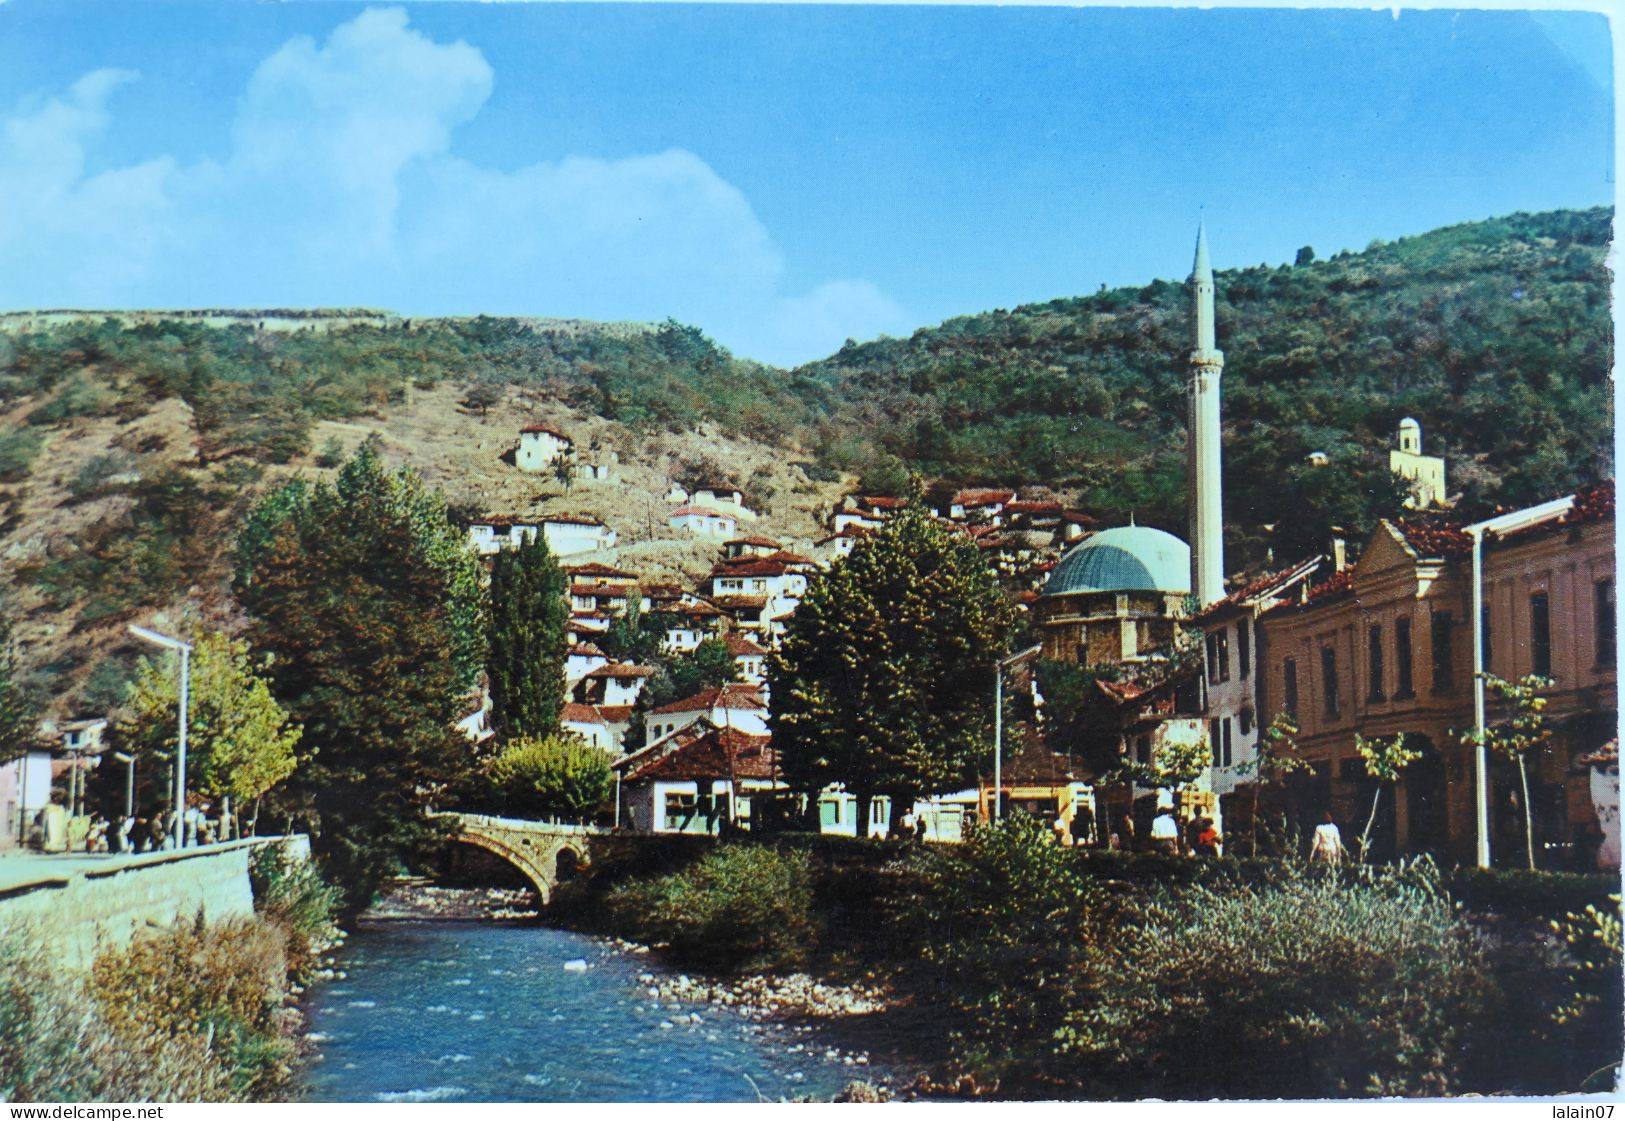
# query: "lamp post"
x,y
1503,523
998,727
129,781
185,649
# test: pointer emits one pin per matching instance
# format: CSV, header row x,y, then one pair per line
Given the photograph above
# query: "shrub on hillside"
x,y
1309,987
739,908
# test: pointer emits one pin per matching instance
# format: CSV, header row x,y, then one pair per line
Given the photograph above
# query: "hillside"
x,y
131,444
1496,335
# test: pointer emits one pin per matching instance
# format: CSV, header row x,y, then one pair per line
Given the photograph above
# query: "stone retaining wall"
x,y
88,907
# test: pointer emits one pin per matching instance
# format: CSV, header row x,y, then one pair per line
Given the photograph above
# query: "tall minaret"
x,y
1203,456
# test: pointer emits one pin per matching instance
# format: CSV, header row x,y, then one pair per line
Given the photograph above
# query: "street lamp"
x,y
1504,523
998,726
129,781
185,649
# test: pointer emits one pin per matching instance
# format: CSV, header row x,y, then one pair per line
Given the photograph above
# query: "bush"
x,y
1520,892
1009,918
295,896
739,908
224,984
1310,987
557,774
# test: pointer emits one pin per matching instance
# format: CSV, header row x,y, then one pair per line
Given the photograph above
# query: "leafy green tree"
x,y
1275,758
1523,734
530,608
1174,765
356,607
705,667
883,677
634,636
555,774
1386,757
240,742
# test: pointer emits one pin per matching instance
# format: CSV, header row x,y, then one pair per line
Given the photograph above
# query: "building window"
x,y
1228,756
1402,659
1214,737
679,808
1289,686
1605,623
1486,646
1224,655
1328,680
1444,662
1142,750
1374,667
1244,649
1246,718
1540,634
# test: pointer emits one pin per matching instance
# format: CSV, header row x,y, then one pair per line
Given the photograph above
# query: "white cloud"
x,y
341,187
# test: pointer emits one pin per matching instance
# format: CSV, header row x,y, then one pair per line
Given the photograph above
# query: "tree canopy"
x,y
352,598
883,681
525,665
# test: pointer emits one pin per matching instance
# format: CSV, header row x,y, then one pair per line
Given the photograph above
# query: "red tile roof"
x,y
722,696
1262,587
506,520
700,511
622,669
983,497
573,519
715,753
1033,508
605,590
545,430
741,646
748,566
764,542
596,569
881,502
586,650
1435,536
732,602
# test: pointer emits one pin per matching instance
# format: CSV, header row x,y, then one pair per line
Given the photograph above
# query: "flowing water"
x,y
484,1011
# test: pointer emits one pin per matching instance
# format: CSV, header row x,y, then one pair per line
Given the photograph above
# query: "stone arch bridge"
x,y
545,853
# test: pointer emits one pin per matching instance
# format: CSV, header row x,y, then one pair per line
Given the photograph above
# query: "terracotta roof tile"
x,y
544,429
741,645
698,511
722,696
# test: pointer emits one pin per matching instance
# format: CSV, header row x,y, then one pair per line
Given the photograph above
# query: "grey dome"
x,y
1131,558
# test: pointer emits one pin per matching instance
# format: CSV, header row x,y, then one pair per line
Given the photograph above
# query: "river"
x,y
502,1011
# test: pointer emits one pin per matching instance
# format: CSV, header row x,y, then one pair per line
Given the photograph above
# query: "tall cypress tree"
x,y
356,607
525,659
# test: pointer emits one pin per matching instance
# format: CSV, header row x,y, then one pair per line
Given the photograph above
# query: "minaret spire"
x,y
1204,459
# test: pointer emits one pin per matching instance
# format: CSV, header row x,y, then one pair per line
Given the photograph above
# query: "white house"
x,y
690,622
727,706
602,726
25,789
749,547
580,660
540,447
980,505
703,521
725,497
695,779
567,534
840,543
613,686
496,532
750,657
1230,662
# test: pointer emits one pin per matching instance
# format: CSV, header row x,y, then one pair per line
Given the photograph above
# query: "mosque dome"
x,y
1132,558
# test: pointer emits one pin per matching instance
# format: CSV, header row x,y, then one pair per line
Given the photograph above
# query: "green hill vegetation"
x,y
1496,335
133,445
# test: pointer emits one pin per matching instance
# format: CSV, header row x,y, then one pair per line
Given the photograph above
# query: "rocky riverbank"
x,y
418,899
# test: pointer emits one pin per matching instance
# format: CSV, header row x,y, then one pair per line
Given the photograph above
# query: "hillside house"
x,y
495,532
702,521
723,497
750,658
602,726
695,779
690,622
867,512
615,686
980,505
605,599
840,543
740,707
596,573
749,547
580,660
541,447
569,534
1386,647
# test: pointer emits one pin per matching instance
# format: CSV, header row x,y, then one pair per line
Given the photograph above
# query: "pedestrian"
x,y
1207,839
125,828
919,828
1063,834
1327,845
1123,839
96,834
1165,833
1083,826
157,835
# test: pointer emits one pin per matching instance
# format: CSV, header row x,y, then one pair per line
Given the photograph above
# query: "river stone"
x,y
576,965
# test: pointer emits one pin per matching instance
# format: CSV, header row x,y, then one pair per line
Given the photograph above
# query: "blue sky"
x,y
783,176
